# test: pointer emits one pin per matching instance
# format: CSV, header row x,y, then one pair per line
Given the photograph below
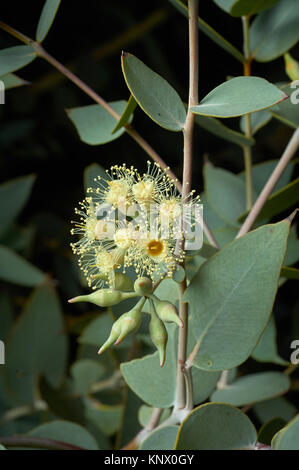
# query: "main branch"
x,y
181,398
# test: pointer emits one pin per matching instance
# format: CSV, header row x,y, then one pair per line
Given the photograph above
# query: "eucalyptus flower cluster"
x,y
113,238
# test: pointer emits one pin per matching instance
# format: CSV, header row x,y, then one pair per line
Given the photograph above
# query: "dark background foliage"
x,y
36,136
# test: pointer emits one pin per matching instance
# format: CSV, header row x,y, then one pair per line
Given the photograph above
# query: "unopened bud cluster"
x,y
161,311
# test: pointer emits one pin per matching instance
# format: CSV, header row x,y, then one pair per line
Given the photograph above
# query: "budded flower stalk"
x,y
158,334
143,286
166,311
104,297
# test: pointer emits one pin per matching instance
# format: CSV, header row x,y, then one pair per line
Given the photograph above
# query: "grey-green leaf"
x,y
153,94
257,121
250,7
216,127
37,345
225,193
216,426
11,80
94,124
253,388
18,270
287,111
288,437
238,96
266,348
275,31
14,58
279,201
13,197
46,19
162,439
153,384
274,408
244,274
66,432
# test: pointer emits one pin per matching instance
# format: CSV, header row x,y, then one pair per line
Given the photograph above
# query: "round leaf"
x,y
64,431
162,439
216,426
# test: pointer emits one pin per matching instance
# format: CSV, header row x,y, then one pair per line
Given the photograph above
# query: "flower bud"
x,y
123,282
127,323
104,297
143,286
167,312
291,67
158,335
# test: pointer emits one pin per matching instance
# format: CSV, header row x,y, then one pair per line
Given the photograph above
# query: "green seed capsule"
x,y
158,335
143,286
127,323
104,297
167,312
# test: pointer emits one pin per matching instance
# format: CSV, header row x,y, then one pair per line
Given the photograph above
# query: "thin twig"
x,y
287,155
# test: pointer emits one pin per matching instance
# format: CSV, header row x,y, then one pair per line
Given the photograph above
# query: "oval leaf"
x,y
253,388
13,197
244,274
14,268
37,345
11,80
14,58
216,426
274,31
46,19
238,96
250,7
94,124
153,94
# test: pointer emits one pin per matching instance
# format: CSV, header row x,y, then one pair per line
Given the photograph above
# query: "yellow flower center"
x,y
155,248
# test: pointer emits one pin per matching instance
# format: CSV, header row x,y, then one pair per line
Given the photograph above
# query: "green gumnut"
x,y
104,297
159,336
114,334
127,323
143,286
167,312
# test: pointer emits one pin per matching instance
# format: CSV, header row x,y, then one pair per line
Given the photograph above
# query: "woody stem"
x,y
181,398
